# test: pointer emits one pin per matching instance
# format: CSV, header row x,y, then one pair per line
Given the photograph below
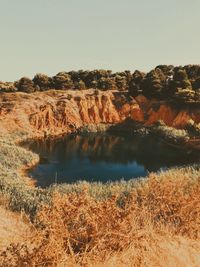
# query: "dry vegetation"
x,y
13,228
153,223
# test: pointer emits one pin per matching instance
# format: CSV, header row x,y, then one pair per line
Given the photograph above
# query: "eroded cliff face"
x,y
171,115
59,112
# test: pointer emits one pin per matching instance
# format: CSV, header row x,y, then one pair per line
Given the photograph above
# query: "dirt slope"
x,y
58,112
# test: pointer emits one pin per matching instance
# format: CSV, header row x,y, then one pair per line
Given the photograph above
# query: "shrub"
x,y
170,134
62,80
164,82
25,85
193,128
42,81
79,85
78,230
185,95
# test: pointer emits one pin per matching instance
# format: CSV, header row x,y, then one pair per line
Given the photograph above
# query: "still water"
x,y
102,157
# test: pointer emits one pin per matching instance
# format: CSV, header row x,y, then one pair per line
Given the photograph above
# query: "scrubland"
x,y
151,222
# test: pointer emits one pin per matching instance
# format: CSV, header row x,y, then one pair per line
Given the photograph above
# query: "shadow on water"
x,y
102,157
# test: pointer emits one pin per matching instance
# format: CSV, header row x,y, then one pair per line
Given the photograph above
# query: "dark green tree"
x,y
42,81
153,83
135,83
106,84
26,85
79,85
63,81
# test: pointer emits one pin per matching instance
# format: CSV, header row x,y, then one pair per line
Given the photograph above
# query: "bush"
x,y
165,82
25,85
185,95
62,80
193,128
170,134
42,81
78,230
79,85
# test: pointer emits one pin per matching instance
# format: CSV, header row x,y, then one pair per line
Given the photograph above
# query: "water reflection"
x,y
102,157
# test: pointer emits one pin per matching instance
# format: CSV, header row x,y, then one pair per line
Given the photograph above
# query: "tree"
x,y
91,78
197,96
185,95
153,83
166,69
79,85
25,85
106,83
42,81
193,71
180,82
180,74
196,84
135,83
62,80
121,82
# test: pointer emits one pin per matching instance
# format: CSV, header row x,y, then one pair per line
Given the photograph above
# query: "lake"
x,y
102,157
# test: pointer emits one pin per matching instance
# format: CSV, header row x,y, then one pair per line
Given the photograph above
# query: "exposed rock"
x,y
54,112
164,113
185,116
170,115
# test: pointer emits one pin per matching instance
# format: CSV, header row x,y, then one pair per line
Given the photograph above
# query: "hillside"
x,y
153,222
59,112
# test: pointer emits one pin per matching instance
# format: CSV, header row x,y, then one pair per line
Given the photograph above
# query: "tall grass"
x,y
151,222
146,226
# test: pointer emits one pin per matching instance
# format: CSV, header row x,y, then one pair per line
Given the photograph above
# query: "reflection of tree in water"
x,y
124,149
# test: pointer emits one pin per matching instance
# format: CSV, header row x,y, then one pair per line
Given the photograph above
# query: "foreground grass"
x,y
13,228
152,222
156,223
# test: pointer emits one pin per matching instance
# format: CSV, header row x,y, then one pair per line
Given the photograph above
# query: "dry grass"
x,y
157,223
13,228
152,223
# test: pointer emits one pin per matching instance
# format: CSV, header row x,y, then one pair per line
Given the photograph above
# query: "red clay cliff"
x,y
58,112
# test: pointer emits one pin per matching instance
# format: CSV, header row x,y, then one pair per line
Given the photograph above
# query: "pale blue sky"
x,y
49,36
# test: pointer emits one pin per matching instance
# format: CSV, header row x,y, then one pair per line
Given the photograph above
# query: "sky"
x,y
48,36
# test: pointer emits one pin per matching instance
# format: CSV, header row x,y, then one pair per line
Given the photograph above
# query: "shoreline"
x,y
36,117
24,195
33,182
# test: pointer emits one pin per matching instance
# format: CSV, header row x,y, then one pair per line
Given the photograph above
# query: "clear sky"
x,y
49,36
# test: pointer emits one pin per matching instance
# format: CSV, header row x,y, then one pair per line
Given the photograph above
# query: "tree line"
x,y
164,82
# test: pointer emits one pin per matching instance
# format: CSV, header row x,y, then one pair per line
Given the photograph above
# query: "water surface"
x,y
102,157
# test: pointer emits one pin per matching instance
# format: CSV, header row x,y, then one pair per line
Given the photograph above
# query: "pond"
x,y
102,157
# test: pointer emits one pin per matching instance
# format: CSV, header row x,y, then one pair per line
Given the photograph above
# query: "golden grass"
x,y
157,223
13,228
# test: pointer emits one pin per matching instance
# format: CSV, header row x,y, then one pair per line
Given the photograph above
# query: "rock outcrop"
x,y
58,112
171,115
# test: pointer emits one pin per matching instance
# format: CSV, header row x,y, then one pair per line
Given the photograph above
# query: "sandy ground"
x,y
13,227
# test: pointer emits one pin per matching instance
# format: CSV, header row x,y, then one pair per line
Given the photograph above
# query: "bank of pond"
x,y
103,157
